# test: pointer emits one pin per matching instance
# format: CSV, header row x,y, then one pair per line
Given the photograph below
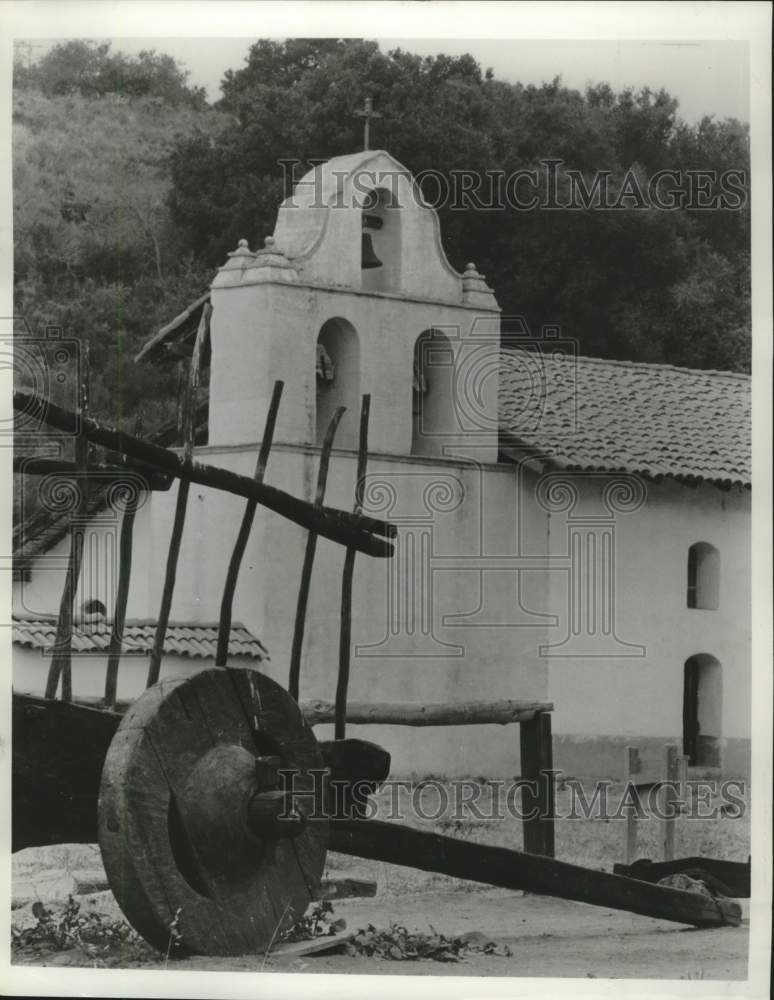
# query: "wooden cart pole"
x,y
538,793
31,466
157,651
367,534
669,802
345,631
294,675
398,844
61,660
122,591
235,563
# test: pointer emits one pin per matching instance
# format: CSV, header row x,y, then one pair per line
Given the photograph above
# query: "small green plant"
x,y
94,933
400,945
318,921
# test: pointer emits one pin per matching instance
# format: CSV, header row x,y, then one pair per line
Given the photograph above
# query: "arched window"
x,y
381,242
433,394
702,710
338,380
703,576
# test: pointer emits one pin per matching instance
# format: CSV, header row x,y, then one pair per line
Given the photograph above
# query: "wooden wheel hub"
x,y
202,850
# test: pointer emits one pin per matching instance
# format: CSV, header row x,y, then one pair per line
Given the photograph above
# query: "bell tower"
x,y
353,293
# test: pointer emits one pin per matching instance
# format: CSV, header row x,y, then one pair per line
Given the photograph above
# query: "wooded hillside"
x,y
129,190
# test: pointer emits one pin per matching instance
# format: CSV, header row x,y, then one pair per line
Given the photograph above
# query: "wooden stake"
x,y
669,802
157,651
682,771
632,768
366,534
309,553
122,593
61,659
232,575
345,631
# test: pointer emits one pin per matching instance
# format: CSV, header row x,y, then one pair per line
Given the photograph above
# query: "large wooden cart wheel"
x,y
203,850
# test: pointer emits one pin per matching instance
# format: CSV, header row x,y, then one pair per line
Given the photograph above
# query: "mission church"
x,y
569,530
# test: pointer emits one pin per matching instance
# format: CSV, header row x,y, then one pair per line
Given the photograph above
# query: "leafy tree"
x,y
625,283
90,69
95,250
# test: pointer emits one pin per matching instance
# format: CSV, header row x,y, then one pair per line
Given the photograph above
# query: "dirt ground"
x,y
546,936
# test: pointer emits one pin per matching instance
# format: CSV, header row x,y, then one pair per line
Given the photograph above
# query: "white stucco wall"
x,y
603,700
458,511
265,332
634,697
30,670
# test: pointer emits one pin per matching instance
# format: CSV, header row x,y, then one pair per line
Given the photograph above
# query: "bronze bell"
x,y
368,258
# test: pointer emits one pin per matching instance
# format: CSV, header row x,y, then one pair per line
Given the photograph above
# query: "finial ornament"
x,y
368,113
242,250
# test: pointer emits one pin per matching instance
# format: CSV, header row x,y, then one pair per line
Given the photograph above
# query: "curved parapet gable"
x,y
321,226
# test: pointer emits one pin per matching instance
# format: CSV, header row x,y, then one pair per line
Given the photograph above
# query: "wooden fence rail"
x,y
460,713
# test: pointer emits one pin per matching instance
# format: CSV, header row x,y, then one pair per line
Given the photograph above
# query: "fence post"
x,y
632,767
682,771
538,794
669,802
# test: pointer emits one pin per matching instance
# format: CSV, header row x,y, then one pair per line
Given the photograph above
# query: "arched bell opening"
x,y
433,410
338,380
380,257
702,710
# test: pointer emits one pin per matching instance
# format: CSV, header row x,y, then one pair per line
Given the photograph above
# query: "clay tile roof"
x,y
198,641
590,414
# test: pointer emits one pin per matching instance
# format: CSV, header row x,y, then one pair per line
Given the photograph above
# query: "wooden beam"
x,y
401,845
461,713
32,466
345,627
294,674
734,875
367,534
235,563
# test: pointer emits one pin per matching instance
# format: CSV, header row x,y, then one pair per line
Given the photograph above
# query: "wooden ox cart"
x,y
210,795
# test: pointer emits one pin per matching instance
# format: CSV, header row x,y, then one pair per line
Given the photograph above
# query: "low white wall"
x,y
30,671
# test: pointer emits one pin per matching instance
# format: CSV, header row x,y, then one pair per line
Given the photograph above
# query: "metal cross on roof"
x,y
368,113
